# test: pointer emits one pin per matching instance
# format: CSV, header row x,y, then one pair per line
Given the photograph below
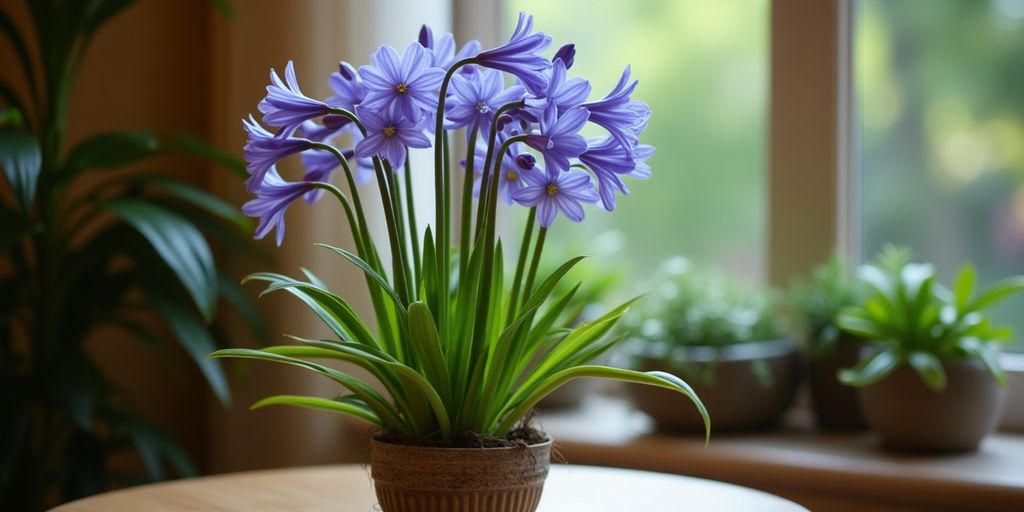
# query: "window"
x,y
940,96
702,67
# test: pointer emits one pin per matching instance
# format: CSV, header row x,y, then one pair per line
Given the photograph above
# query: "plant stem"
x,y
398,267
399,211
413,230
467,203
485,177
534,264
524,249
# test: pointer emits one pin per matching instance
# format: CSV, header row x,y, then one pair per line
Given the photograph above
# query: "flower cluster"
x,y
378,111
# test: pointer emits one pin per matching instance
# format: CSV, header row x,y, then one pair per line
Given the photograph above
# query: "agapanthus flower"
x,y
623,117
559,140
272,201
442,49
641,153
609,163
388,134
263,150
562,92
520,56
554,192
285,106
516,161
409,83
349,89
475,97
567,53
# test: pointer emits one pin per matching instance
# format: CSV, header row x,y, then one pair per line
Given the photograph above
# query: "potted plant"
x,y
931,381
816,303
720,337
90,248
455,337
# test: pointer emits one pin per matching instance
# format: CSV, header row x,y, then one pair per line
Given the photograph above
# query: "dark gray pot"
x,y
909,416
736,399
835,404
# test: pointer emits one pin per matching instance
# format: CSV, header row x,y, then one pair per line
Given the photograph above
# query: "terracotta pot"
x,y
909,416
737,398
835,404
417,478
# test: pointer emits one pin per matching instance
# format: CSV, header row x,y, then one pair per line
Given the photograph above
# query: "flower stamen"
x,y
390,131
402,88
511,176
552,190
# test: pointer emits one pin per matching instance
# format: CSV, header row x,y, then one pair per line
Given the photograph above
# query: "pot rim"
x,y
751,350
548,442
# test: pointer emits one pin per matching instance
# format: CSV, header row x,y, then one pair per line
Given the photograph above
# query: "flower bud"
x,y
426,37
567,53
346,71
525,161
502,121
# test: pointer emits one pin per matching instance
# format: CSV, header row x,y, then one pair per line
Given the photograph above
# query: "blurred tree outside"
x,y
940,92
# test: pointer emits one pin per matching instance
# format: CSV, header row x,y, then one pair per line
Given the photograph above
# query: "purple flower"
x,y
562,92
348,88
514,163
567,53
388,134
608,162
442,49
285,106
554,192
271,202
520,55
622,117
321,164
640,154
408,83
558,140
476,96
263,150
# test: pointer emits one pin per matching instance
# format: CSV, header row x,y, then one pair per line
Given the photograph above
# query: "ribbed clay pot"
x,y
737,399
426,479
909,416
835,404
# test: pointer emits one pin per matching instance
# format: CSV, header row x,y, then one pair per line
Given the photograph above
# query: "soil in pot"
x,y
836,405
751,385
909,416
505,478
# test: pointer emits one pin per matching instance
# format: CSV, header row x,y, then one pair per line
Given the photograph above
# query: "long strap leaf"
x,y
356,407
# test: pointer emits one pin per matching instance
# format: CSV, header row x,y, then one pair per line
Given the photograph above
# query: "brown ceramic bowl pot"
x,y
736,399
835,404
909,416
421,479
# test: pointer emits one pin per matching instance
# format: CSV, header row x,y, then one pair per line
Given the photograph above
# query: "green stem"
x,y
397,266
396,204
467,204
528,289
524,250
485,177
413,230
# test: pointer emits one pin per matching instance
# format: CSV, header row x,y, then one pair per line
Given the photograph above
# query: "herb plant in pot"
x,y
456,337
816,303
721,338
932,381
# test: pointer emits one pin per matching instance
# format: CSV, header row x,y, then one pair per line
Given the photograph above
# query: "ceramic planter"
x,y
421,479
835,404
909,416
754,383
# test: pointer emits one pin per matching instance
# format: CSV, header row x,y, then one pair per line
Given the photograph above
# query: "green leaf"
x,y
102,11
155,447
871,370
346,405
10,30
113,149
997,292
193,336
225,8
850,320
369,271
427,346
190,145
979,350
21,160
180,245
929,368
963,288
234,294
333,310
196,197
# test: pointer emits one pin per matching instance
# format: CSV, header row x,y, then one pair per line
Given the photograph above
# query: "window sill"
x,y
822,471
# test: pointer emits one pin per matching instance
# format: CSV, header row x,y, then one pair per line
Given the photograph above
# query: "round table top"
x,y
348,488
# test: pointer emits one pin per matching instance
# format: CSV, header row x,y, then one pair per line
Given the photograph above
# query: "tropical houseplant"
x,y
724,339
932,380
85,246
456,338
816,302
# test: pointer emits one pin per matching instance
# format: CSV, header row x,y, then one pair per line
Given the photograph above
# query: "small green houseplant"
x,y
932,381
462,349
724,339
816,302
84,246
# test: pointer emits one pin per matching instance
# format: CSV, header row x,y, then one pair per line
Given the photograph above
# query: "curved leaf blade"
x,y
359,410
22,161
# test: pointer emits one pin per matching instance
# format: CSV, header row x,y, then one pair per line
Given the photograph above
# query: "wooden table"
x,y
349,489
